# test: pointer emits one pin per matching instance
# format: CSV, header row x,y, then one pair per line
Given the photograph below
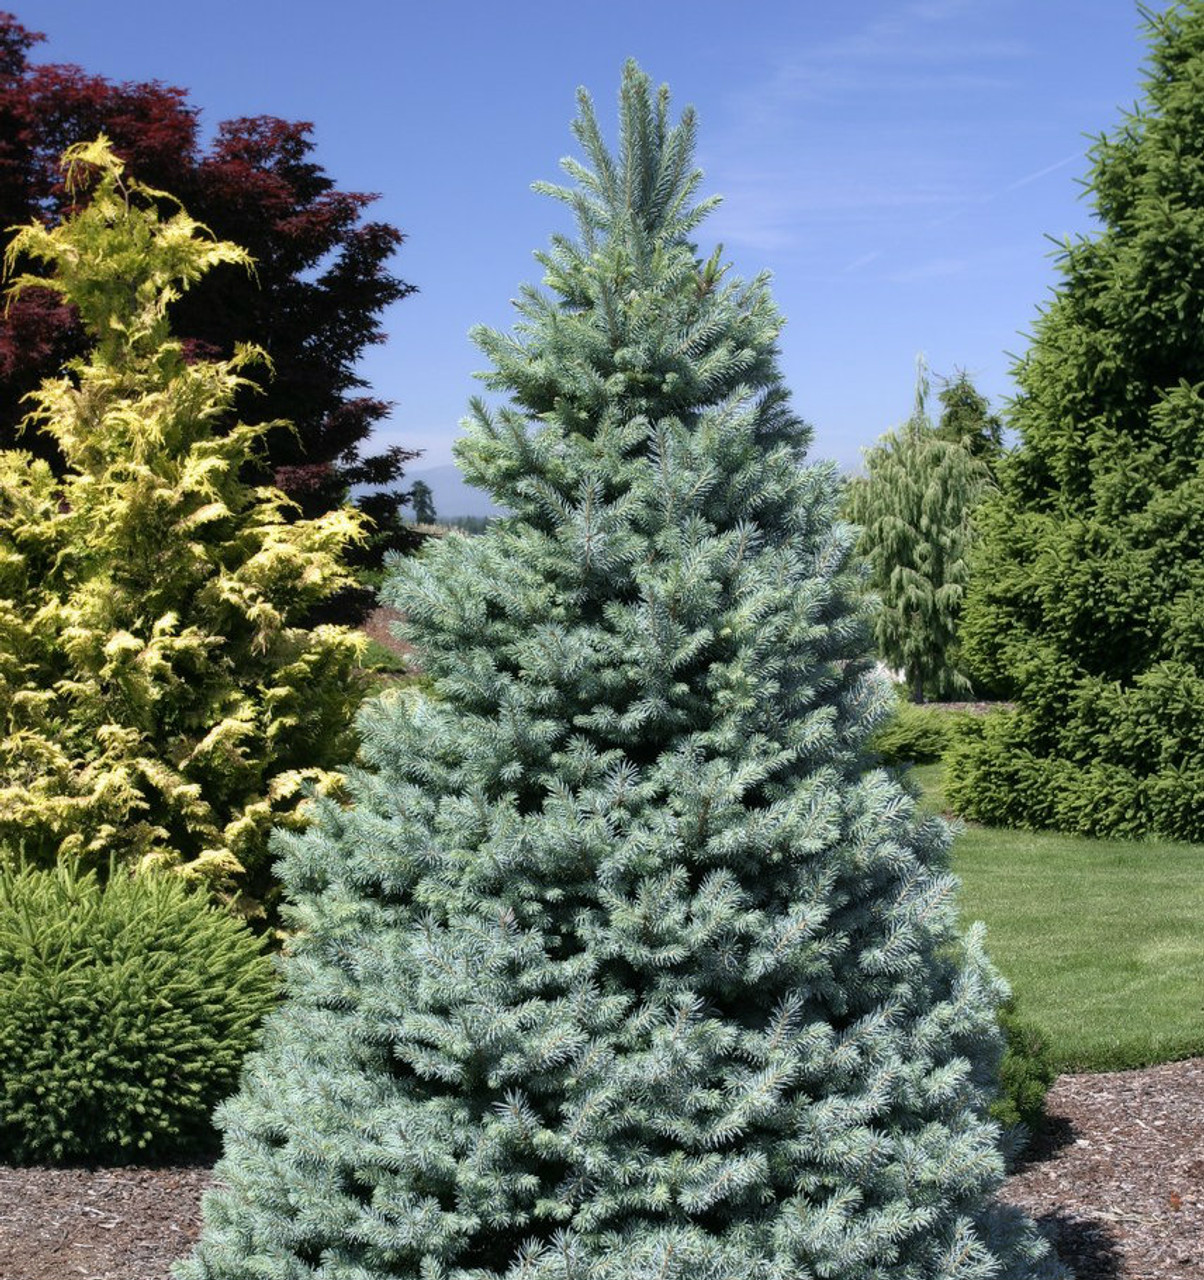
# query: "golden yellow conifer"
x,y
160,696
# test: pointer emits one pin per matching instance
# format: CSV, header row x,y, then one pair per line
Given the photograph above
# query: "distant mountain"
x,y
453,496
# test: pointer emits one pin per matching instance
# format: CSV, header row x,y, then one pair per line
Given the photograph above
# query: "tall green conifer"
x,y
1088,598
966,418
619,964
914,504
159,699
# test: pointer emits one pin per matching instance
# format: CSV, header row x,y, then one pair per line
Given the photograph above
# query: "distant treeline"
x,y
467,524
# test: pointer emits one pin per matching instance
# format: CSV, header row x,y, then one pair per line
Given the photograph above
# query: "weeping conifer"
x,y
915,503
619,963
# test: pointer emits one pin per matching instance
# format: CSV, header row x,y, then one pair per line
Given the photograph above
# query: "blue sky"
x,y
897,165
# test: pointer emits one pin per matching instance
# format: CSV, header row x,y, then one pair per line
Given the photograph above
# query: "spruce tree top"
x,y
652,461
966,418
1122,331
618,966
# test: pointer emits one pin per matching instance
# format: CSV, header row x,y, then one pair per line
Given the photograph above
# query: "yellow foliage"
x,y
161,699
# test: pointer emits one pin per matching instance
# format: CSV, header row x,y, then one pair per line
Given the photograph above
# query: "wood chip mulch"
x,y
378,626
97,1224
1117,1182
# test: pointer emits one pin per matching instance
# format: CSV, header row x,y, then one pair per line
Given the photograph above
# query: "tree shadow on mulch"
x,y
1088,1248
1055,1134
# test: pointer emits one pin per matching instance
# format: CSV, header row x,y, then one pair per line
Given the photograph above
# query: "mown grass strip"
x,y
1102,940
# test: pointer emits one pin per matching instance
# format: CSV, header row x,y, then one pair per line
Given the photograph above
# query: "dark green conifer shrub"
x,y
125,1013
966,417
1087,591
621,963
917,734
1026,1073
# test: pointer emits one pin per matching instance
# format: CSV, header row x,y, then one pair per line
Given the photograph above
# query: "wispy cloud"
x,y
925,45
770,209
816,136
932,269
978,201
1041,173
863,261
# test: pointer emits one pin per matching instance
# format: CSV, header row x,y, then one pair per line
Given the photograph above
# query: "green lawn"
x,y
1102,940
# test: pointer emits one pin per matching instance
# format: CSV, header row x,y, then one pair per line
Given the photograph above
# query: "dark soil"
x,y
1117,1181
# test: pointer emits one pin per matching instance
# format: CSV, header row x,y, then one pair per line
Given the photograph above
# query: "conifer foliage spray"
x,y
620,963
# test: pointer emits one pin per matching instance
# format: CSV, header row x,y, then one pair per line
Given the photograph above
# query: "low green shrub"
x,y
379,659
918,734
1026,1073
1121,762
996,777
988,774
125,1012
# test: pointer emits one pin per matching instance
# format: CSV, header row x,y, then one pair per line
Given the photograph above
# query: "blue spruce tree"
x,y
620,964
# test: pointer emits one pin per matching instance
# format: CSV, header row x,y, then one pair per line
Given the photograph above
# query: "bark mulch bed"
x,y
103,1224
1118,1179
378,626
1118,1182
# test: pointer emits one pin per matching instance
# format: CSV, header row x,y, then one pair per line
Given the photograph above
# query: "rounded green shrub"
x,y
1026,1073
993,777
998,775
125,1012
918,734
